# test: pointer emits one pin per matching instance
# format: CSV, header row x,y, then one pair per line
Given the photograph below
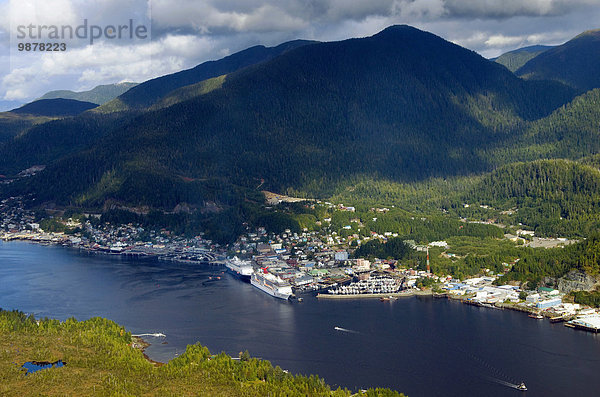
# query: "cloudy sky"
x,y
182,33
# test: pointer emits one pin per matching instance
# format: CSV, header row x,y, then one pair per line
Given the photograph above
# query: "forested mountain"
x,y
13,124
379,106
53,139
513,60
572,131
556,197
44,144
151,91
98,95
55,107
575,63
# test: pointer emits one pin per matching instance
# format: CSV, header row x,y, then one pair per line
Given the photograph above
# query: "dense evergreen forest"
x,y
316,115
513,60
570,63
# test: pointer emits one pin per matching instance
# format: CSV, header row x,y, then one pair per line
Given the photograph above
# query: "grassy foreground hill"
x,y
100,361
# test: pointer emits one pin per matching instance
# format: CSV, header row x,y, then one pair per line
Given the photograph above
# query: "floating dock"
x,y
375,296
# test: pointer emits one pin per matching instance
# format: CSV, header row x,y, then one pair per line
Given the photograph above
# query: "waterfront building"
x,y
544,304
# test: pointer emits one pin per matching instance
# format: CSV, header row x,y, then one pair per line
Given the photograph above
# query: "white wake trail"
x,y
346,330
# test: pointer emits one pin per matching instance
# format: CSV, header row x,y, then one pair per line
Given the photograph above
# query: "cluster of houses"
x,y
14,216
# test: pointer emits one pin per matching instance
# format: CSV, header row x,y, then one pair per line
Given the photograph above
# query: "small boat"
x,y
537,316
522,386
383,299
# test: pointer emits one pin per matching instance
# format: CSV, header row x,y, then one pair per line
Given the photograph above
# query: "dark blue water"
x,y
420,346
34,366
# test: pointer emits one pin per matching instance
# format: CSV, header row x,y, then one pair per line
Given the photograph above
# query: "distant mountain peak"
x,y
98,95
587,33
56,107
515,59
575,62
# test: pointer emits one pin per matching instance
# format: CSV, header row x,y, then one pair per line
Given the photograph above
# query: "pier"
x,y
376,296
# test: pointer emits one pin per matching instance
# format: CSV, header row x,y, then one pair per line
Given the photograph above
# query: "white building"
x,y
341,256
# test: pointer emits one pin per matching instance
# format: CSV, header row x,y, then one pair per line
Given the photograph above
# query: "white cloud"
x,y
16,94
420,9
500,40
104,63
512,8
187,32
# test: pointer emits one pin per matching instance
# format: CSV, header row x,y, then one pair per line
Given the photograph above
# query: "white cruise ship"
x,y
242,269
271,284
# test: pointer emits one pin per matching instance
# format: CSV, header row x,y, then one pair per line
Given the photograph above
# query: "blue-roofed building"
x,y
548,303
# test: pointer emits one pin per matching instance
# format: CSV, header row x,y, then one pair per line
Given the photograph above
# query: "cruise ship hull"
x,y
269,290
243,277
241,269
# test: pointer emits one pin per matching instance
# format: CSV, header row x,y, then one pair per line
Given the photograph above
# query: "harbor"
x,y
190,304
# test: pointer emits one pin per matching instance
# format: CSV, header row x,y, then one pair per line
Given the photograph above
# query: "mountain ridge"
x,y
515,59
57,107
382,105
151,91
98,95
573,63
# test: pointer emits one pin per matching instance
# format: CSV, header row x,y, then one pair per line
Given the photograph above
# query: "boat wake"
x,y
159,335
346,330
502,382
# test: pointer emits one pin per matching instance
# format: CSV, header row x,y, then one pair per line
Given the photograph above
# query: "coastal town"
x,y
309,262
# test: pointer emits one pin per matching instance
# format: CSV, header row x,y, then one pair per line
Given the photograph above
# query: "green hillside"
x,y
189,92
513,60
571,131
13,124
314,116
151,91
48,143
554,197
42,141
574,63
98,95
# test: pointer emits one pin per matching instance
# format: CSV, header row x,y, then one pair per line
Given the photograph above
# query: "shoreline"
x,y
141,344
59,240
160,257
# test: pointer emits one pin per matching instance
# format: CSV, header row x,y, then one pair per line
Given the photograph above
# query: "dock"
x,y
590,323
375,296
